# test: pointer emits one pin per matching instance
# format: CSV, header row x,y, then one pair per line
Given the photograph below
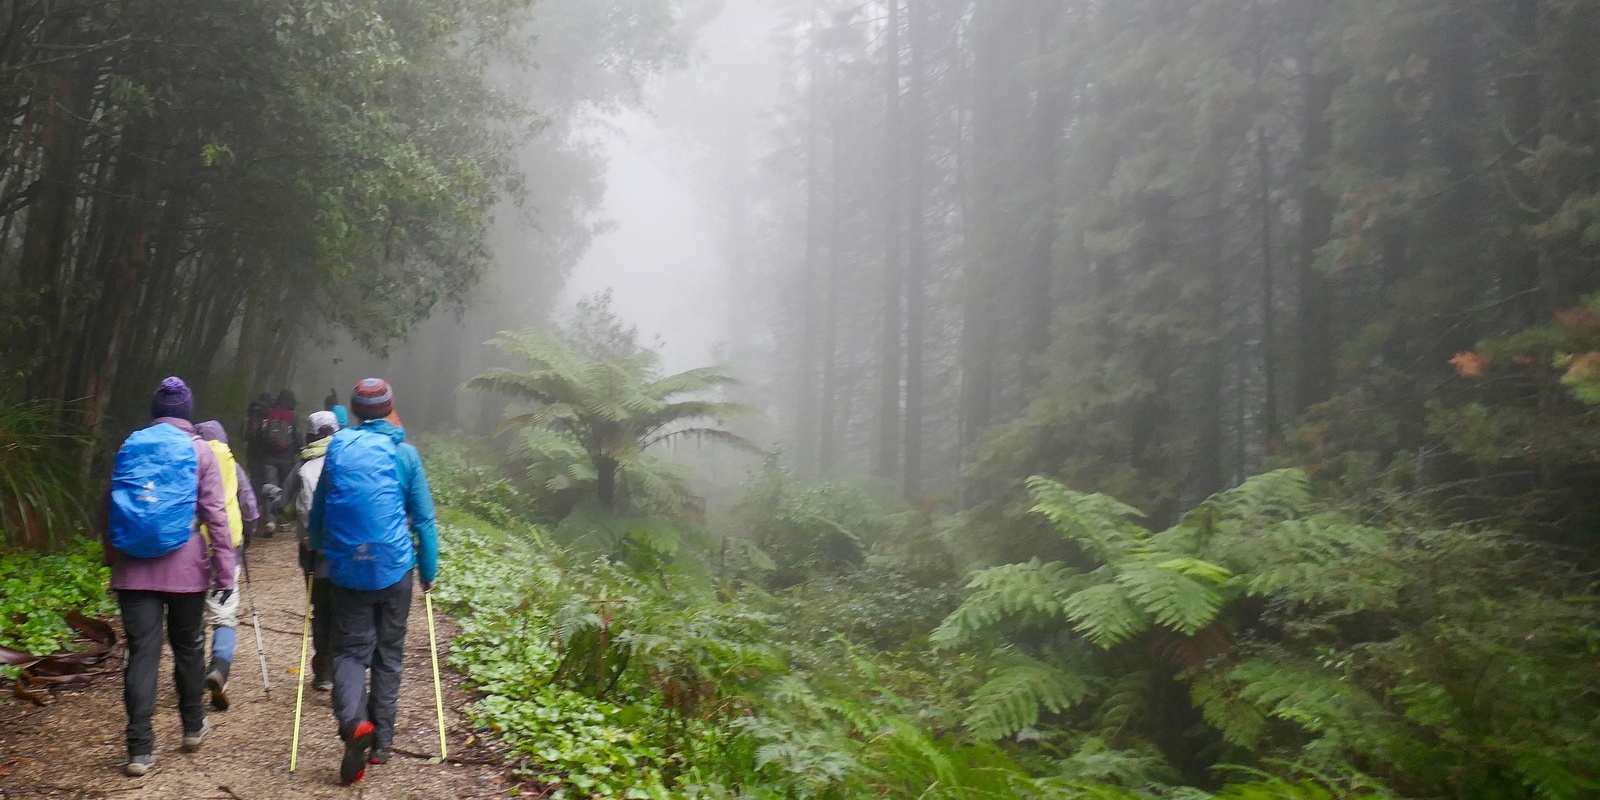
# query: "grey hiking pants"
x,y
369,631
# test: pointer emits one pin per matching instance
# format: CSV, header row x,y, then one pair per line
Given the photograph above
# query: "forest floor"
x,y
74,748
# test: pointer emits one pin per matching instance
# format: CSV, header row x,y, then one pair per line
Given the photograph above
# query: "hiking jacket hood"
x,y
413,487
243,502
194,567
307,475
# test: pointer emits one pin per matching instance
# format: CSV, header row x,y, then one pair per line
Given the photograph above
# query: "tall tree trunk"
x,y
605,484
1525,271
1394,234
888,457
979,334
828,455
1208,470
1269,300
1314,368
916,237
807,433
1038,304
126,257
50,221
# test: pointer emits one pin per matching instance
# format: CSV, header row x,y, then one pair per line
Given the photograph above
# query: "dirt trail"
x,y
74,748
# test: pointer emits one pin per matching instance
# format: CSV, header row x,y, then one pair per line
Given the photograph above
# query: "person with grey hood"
x,y
222,612
302,487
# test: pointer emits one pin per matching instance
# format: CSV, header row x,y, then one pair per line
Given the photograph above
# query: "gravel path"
x,y
74,747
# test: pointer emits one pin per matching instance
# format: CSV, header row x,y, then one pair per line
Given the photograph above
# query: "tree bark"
x,y
889,351
806,424
1038,303
916,237
1314,335
828,454
50,221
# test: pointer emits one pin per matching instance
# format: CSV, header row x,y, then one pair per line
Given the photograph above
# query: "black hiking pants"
x,y
277,467
142,614
369,631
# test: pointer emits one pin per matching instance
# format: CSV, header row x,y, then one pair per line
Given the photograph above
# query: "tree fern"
x,y
1105,614
1253,539
1011,700
1102,523
1173,598
1033,591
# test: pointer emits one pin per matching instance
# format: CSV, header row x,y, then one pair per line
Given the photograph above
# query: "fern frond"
x,y
1105,615
1101,522
1031,592
1173,598
1012,699
1322,560
1278,494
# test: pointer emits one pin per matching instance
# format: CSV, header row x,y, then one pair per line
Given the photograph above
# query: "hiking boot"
x,y
139,766
217,684
192,739
380,755
356,749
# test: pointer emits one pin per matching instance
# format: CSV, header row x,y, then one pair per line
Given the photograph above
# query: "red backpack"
x,y
280,430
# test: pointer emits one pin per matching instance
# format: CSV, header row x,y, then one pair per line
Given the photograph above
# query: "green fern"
x,y
1012,699
1033,592
1105,614
1172,598
1103,523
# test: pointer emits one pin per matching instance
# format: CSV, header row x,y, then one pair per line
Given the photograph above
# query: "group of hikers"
x,y
181,511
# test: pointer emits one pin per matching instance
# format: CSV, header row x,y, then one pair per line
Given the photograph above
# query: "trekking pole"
x,y
300,693
255,622
438,694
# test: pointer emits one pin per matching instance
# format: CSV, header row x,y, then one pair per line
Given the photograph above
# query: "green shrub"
x,y
36,590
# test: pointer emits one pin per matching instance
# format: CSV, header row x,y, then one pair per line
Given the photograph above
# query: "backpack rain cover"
x,y
154,489
365,536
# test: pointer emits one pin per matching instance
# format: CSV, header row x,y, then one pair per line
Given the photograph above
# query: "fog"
x,y
659,257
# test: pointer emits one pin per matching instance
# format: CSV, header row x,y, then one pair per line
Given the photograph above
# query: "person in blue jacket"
x,y
372,518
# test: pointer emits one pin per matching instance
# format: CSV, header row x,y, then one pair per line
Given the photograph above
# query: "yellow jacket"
x,y
230,484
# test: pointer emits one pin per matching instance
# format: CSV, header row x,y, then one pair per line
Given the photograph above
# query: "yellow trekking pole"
x,y
300,692
438,694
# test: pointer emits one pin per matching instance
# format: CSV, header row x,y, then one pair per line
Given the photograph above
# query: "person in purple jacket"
x,y
222,607
173,586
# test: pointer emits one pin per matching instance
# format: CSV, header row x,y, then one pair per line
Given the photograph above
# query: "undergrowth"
x,y
1262,647
37,589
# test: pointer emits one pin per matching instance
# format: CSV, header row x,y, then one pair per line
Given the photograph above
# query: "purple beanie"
x,y
372,399
173,399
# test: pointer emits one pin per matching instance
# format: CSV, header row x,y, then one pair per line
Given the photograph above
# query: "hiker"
x,y
372,481
255,447
222,610
321,426
281,437
165,485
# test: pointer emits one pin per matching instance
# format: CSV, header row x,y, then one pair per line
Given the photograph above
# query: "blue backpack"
x,y
154,489
366,541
